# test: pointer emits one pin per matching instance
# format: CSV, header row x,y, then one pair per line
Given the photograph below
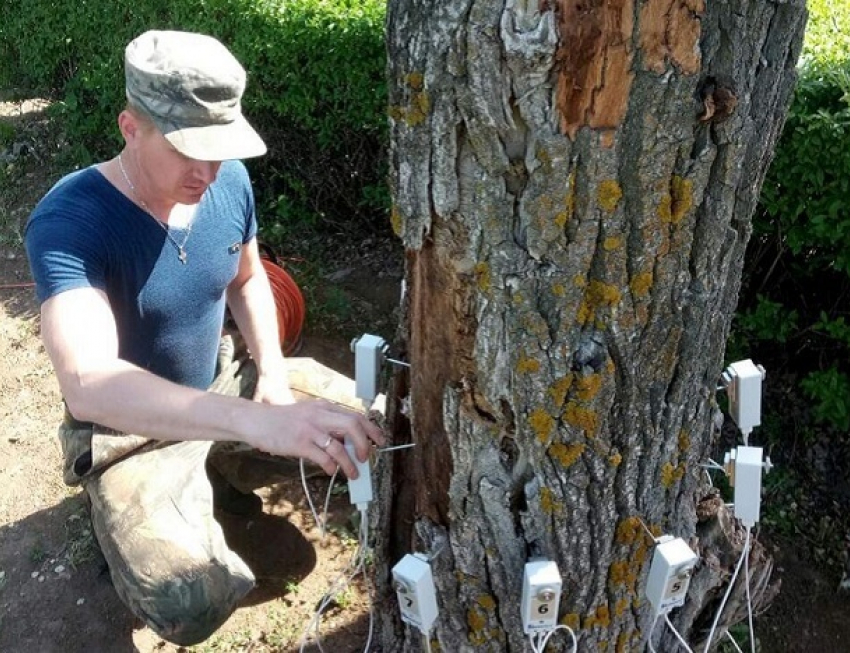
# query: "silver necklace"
x,y
181,247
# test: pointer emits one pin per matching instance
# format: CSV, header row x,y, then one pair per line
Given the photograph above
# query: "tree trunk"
x,y
573,181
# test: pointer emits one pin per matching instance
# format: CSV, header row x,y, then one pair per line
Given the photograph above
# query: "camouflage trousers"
x,y
152,514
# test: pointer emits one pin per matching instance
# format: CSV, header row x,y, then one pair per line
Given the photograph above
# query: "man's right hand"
x,y
315,430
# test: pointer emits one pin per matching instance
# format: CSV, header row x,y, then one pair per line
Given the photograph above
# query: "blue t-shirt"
x,y
86,233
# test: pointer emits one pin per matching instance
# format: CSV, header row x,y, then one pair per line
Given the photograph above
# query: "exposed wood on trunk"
x,y
594,62
670,33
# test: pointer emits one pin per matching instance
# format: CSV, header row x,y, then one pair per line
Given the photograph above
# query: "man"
x,y
135,261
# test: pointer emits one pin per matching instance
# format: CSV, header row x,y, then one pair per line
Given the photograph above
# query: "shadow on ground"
x,y
46,599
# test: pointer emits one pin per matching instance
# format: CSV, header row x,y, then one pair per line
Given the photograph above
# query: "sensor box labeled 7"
x,y
414,587
541,596
670,574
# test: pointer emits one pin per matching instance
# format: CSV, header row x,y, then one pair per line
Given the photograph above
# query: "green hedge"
x,y
795,305
316,88
316,92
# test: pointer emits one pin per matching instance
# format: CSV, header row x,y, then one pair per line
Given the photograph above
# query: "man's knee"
x,y
188,607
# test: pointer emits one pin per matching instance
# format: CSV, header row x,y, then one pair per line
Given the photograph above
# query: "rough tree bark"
x,y
573,181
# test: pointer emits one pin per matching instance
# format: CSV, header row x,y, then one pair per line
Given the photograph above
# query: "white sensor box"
x,y
360,488
368,358
670,574
414,587
747,481
541,595
743,385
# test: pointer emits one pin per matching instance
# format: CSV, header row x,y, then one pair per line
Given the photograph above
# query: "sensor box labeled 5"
x,y
670,574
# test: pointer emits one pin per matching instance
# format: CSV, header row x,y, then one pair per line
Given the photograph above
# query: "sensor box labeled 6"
x,y
541,596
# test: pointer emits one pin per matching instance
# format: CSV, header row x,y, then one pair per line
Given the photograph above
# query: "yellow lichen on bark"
x,y
548,503
623,642
396,221
571,620
584,312
419,103
617,573
640,284
487,602
628,530
583,418
609,195
671,474
527,365
415,80
682,194
667,475
566,454
601,617
602,294
612,243
482,276
542,424
621,606
559,389
476,621
564,216
588,386
664,210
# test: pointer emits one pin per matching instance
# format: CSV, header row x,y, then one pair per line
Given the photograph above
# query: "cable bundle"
x,y
288,300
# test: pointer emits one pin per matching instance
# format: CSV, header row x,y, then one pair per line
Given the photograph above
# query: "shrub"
x,y
793,304
316,88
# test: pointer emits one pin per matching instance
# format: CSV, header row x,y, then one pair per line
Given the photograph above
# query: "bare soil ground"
x,y
55,592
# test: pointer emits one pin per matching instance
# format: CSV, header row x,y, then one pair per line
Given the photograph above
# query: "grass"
x,y
80,546
38,553
279,632
741,634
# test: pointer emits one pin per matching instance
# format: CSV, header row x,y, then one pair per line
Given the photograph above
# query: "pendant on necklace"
x,y
181,254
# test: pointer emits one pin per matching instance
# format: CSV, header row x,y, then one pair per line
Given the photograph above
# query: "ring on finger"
x,y
327,443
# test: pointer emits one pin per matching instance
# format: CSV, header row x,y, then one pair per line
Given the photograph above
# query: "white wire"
x,y
364,535
320,521
734,643
728,592
556,629
544,635
749,599
355,565
652,630
676,633
427,642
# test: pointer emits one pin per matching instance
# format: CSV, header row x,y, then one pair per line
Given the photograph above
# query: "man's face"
x,y
166,175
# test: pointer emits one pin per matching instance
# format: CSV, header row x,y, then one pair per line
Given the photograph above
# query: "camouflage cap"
x,y
191,86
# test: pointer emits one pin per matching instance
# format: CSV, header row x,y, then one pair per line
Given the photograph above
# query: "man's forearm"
x,y
253,308
133,400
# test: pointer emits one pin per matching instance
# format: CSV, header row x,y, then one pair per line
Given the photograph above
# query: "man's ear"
x,y
128,124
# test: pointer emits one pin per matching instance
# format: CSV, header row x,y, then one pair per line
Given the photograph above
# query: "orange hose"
x,y
289,303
